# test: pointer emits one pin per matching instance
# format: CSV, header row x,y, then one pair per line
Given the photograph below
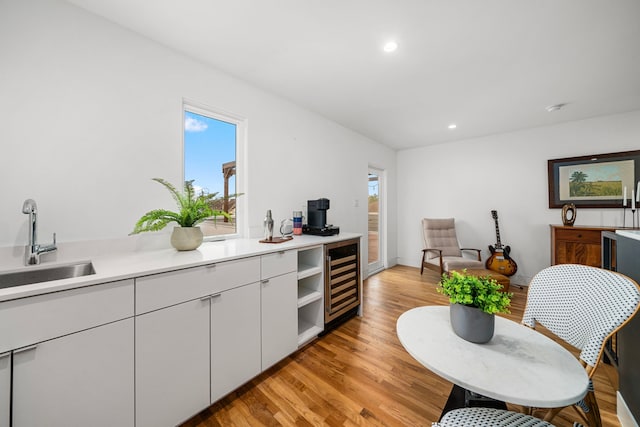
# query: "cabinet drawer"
x,y
585,236
31,320
166,289
279,263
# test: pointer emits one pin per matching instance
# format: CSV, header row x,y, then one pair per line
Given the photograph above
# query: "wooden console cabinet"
x,y
577,245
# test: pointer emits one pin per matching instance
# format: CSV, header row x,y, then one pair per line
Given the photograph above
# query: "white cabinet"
x,y
172,363
310,294
5,388
279,312
235,338
67,356
279,318
197,338
81,379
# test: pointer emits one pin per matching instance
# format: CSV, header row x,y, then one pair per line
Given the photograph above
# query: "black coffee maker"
x,y
317,219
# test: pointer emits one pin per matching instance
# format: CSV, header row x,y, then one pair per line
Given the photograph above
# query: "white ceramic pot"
x,y
471,323
186,238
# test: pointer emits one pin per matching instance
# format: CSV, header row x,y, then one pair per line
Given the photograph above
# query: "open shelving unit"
x,y
310,293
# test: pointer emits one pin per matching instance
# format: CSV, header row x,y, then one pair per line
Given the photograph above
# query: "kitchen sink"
x,y
39,274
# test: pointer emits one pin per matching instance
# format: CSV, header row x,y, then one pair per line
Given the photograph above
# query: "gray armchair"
x,y
442,252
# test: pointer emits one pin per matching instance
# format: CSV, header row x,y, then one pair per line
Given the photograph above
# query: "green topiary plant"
x,y
481,292
192,209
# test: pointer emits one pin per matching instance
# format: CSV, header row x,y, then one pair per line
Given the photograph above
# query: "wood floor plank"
x,y
360,375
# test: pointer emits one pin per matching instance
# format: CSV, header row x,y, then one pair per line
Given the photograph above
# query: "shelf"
x,y
305,270
307,332
307,296
310,293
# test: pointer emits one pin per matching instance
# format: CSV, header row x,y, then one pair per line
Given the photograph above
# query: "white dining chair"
x,y
489,417
583,306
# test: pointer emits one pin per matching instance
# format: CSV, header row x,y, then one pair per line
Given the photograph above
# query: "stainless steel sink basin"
x,y
30,275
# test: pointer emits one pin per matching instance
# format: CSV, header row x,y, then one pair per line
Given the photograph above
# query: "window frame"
x,y
241,173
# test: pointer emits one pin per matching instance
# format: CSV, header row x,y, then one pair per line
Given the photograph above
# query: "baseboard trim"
x,y
624,414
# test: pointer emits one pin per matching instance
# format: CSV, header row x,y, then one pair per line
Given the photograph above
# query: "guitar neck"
x,y
498,244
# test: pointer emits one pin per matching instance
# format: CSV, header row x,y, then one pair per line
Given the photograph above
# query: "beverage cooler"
x,y
621,253
342,281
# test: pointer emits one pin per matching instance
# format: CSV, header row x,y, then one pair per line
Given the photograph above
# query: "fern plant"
x,y
192,209
481,292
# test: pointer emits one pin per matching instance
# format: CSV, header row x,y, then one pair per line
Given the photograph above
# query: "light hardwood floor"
x,y
360,375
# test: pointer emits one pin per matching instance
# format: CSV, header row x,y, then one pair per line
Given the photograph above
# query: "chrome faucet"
x,y
33,250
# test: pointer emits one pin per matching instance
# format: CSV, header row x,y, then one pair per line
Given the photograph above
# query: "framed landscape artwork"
x,y
595,181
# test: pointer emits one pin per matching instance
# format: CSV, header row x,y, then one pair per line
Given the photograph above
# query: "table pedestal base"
x,y
475,399
461,398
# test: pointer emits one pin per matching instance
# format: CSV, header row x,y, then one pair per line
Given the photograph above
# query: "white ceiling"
x,y
490,66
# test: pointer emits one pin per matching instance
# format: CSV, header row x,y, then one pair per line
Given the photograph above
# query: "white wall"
x,y
508,173
90,112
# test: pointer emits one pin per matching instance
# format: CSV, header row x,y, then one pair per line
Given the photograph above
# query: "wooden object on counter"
x,y
276,239
577,244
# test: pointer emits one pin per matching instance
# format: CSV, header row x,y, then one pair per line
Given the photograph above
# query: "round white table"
x,y
519,365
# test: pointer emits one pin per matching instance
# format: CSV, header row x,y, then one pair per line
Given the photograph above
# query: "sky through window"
x,y
208,144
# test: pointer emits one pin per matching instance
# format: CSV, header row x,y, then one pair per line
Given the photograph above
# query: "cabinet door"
x,y
82,379
235,339
172,364
578,253
279,318
5,388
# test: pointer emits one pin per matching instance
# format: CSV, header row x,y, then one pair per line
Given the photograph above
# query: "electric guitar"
x,y
500,261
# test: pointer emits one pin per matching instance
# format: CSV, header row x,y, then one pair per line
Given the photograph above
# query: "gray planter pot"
x,y
471,323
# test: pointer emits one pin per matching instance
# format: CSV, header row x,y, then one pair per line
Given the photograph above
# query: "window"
x,y
211,147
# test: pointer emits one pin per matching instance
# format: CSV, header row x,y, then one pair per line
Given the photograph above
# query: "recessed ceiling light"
x,y
452,126
390,46
555,107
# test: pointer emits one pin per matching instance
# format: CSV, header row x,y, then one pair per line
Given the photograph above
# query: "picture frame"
x,y
594,181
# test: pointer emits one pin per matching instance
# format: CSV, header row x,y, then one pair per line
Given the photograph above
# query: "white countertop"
x,y
127,265
519,365
632,234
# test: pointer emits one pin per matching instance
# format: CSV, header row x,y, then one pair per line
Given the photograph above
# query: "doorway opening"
x,y
375,213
